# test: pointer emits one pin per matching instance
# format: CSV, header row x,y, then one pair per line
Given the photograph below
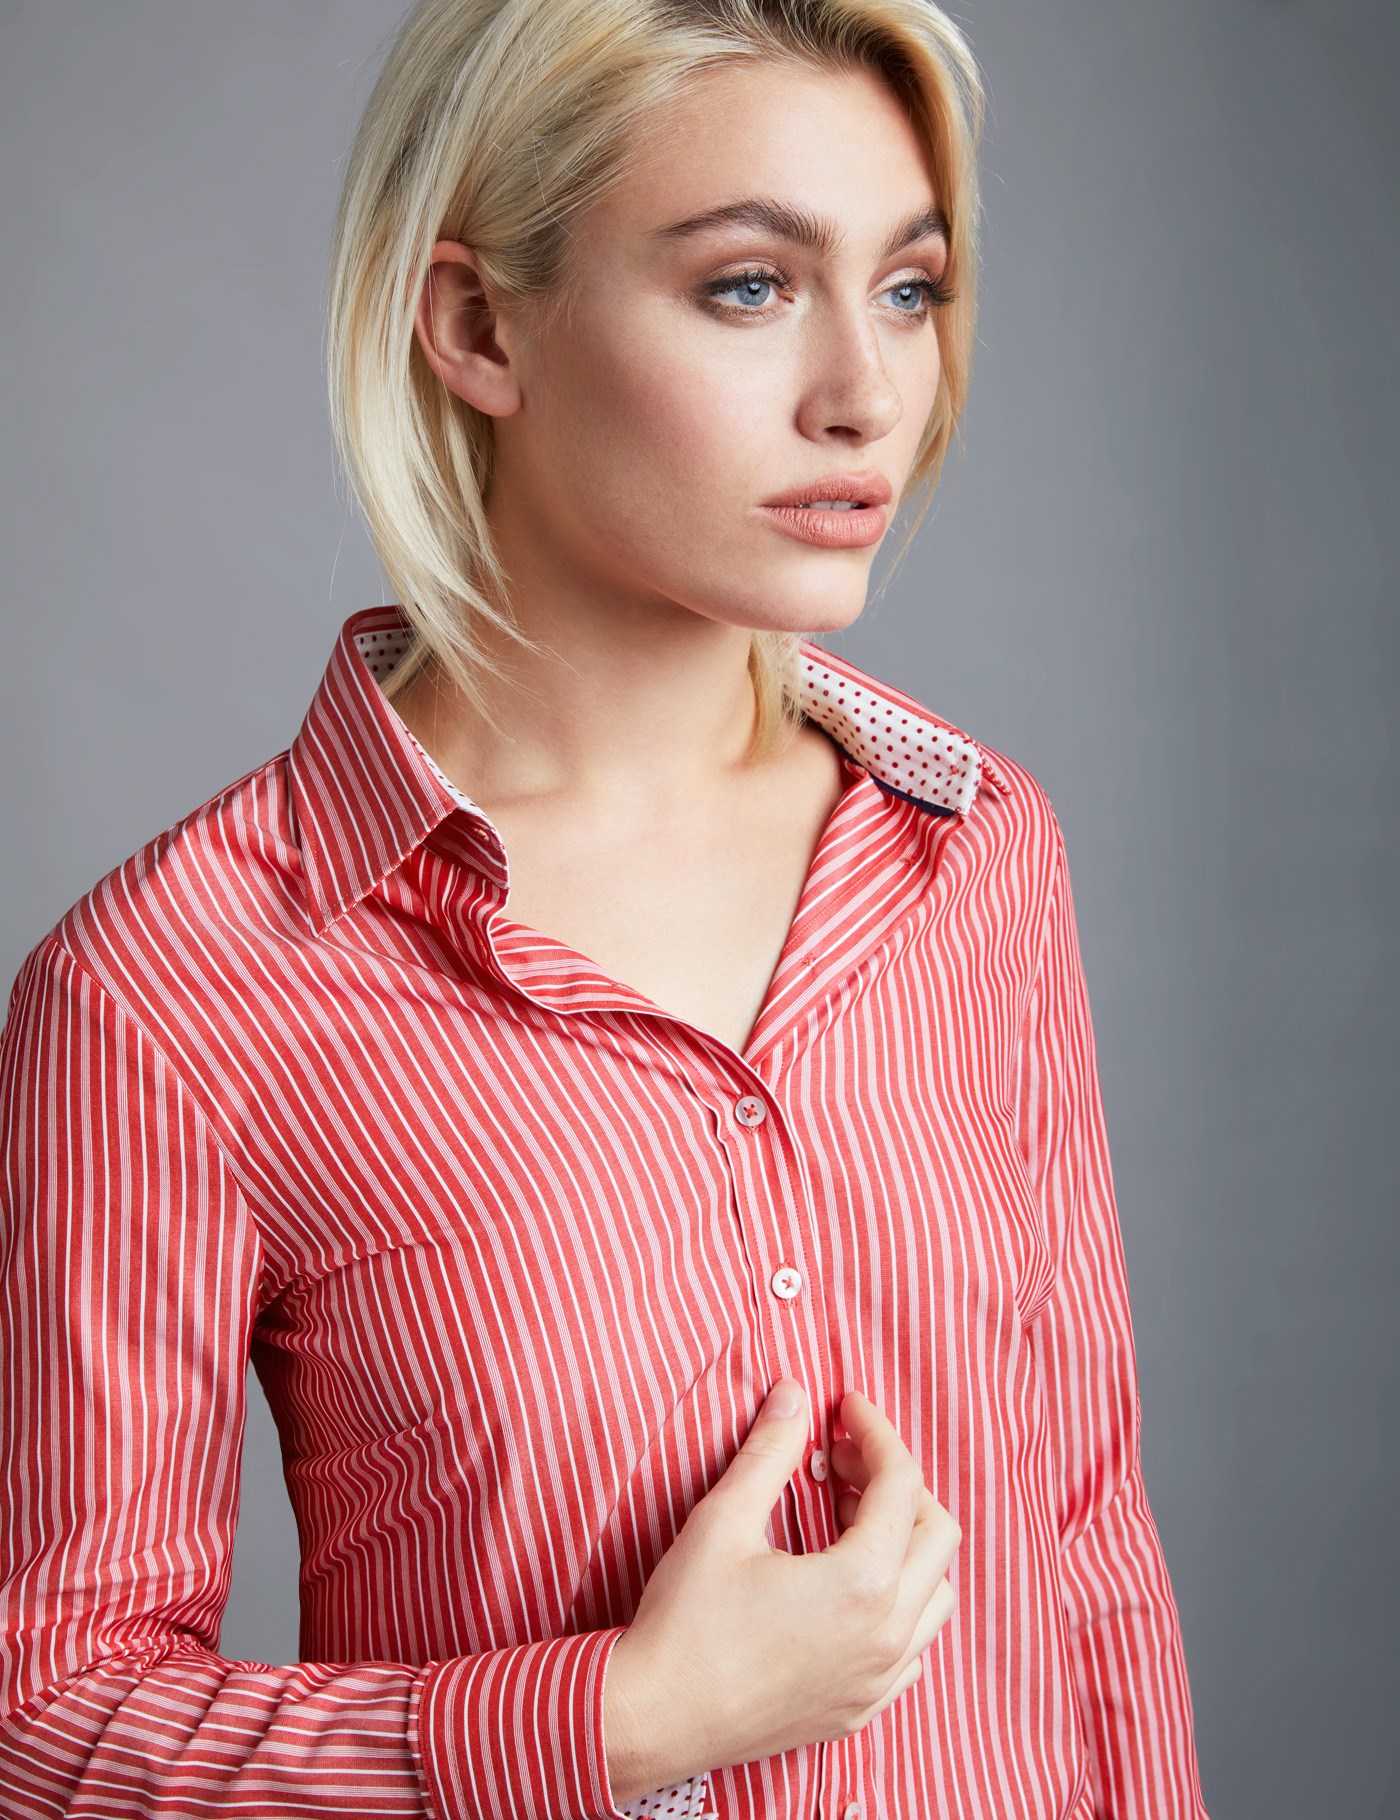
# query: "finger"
x,y
847,1464
850,1468
891,1500
770,1453
942,1529
847,1461
929,1626
932,1548
910,1678
901,1687
846,1452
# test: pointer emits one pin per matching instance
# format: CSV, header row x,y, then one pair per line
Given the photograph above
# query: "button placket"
x,y
787,1281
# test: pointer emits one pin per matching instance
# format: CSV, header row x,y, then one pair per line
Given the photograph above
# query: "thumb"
x,y
770,1453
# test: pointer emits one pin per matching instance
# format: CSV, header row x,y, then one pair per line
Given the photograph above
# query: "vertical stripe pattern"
x,y
516,1255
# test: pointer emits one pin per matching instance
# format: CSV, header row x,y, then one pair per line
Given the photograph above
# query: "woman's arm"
x,y
1129,1664
129,1270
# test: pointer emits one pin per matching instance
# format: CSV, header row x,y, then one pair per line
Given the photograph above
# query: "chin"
x,y
801,625
812,611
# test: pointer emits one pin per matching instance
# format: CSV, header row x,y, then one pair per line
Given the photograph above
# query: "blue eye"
x,y
928,294
917,289
746,281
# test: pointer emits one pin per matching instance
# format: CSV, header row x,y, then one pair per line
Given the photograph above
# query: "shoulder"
x,y
157,930
1008,853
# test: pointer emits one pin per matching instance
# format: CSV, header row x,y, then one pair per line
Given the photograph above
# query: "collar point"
x,y
992,774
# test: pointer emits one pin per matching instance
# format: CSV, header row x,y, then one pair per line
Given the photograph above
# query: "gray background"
x,y
1159,573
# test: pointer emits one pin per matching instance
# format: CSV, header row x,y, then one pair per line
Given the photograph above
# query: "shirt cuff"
x,y
518,1733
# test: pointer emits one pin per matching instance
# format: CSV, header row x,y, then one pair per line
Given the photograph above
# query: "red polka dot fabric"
x,y
888,733
682,1801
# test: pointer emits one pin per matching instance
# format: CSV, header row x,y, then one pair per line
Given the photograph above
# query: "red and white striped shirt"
x,y
516,1255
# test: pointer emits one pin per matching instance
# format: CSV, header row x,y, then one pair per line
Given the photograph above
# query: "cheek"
x,y
922,383
667,455
675,425
659,401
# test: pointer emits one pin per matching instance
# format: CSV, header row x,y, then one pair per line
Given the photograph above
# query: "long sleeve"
x,y
1126,1646
129,1271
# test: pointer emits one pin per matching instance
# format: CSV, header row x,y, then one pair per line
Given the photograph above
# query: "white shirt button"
x,y
750,1110
817,1463
786,1282
852,1811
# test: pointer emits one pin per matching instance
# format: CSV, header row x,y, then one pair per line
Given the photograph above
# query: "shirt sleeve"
x,y
1121,1617
129,1269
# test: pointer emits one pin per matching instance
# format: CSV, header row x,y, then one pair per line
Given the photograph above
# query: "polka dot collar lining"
x,y
904,747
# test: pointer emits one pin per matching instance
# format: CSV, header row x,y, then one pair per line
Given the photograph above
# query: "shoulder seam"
x,y
1052,895
241,1188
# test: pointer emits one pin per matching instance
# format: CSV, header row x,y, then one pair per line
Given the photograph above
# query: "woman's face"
x,y
701,372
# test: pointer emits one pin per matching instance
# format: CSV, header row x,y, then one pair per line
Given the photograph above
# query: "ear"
x,y
464,338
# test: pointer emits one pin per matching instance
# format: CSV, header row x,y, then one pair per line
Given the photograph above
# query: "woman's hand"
x,y
739,1650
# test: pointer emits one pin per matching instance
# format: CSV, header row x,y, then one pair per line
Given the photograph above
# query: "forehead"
x,y
836,147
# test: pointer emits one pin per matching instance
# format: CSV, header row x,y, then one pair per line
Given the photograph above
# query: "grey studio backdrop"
x,y
1159,573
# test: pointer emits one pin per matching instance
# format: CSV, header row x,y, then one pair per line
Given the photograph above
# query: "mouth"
x,y
865,490
833,524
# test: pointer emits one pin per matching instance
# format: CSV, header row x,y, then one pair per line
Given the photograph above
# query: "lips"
x,y
835,528
852,490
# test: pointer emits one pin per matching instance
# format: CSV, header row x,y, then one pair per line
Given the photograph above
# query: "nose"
x,y
847,391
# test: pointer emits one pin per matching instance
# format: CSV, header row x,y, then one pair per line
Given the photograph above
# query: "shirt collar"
x,y
365,793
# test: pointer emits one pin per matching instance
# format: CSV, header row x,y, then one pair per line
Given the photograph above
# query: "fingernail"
x,y
784,1398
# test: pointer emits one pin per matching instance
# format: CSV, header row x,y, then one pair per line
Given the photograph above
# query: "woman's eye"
x,y
916,297
747,284
914,292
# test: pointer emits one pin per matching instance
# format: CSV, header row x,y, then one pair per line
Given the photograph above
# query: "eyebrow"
x,y
785,222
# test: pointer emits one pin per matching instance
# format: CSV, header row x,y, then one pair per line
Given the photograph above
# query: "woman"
x,y
610,1007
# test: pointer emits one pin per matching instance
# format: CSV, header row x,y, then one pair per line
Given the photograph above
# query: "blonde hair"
x,y
494,122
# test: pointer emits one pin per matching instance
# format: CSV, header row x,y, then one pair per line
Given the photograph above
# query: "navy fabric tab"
x,y
919,802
